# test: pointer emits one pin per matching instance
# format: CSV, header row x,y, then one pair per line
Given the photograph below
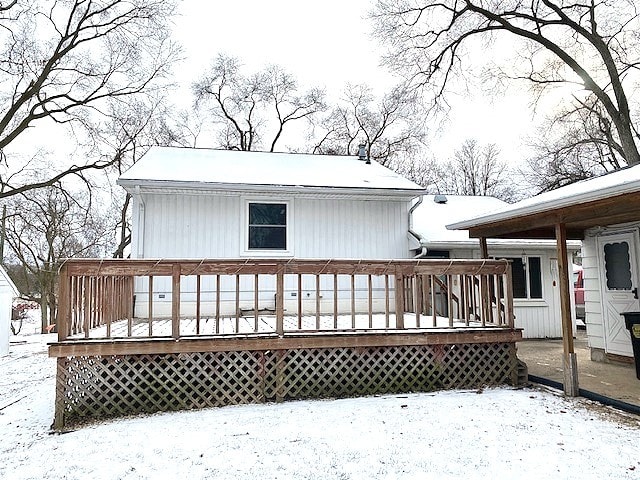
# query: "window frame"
x,y
245,251
527,274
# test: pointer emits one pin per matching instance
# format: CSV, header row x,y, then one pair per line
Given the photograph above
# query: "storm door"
x,y
619,277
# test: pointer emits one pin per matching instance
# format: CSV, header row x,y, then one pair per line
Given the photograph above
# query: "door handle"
x,y
635,292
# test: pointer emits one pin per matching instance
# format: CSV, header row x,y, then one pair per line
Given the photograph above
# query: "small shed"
x,y
534,262
604,212
8,292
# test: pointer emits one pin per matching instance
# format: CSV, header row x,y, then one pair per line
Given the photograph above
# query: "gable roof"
x,y
605,200
209,169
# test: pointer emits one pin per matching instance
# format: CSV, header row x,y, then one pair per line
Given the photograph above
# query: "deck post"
x,y
509,297
280,303
58,419
175,300
399,299
150,309
64,309
198,292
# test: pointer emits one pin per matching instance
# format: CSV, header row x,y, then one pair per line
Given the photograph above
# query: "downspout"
x,y
423,251
139,231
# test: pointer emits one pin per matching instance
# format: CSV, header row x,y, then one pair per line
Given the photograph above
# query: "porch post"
x,y
484,250
570,366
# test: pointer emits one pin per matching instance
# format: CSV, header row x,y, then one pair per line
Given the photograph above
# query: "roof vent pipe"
x,y
440,198
362,153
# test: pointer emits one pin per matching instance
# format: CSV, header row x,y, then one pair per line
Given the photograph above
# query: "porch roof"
x,y
606,200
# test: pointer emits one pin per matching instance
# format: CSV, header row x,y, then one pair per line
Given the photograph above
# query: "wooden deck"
x,y
217,332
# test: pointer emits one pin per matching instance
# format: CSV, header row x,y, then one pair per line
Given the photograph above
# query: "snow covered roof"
x,y
229,169
430,221
619,182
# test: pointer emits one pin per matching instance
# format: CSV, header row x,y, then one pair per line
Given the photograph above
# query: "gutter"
x,y
232,189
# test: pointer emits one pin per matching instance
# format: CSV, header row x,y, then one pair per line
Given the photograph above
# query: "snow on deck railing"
x,y
105,299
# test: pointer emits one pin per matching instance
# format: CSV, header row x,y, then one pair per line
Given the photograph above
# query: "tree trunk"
x,y
43,313
628,144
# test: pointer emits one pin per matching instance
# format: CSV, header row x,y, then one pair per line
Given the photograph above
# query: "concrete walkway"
x,y
544,359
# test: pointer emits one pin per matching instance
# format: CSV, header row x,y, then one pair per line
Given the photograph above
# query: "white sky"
x,y
328,44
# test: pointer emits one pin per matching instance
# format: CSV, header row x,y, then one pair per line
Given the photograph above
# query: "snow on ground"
x,y
495,433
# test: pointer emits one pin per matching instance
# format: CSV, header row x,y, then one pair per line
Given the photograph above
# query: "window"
x,y
617,266
267,226
527,277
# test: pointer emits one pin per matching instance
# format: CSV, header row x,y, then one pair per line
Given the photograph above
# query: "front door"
x,y
619,277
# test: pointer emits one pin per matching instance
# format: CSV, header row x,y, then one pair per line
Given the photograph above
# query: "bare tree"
x,y
591,44
61,61
391,128
574,144
475,170
126,134
45,226
252,111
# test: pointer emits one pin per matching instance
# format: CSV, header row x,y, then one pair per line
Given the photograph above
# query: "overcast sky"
x,y
329,44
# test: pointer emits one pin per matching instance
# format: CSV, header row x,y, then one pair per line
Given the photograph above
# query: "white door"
x,y
619,277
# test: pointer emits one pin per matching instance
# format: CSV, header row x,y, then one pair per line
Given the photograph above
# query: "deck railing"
x,y
107,299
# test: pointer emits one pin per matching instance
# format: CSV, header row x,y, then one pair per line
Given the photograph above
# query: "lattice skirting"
x,y
107,386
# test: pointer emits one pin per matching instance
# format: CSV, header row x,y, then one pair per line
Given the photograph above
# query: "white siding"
x,y
350,229
191,226
212,226
592,292
7,294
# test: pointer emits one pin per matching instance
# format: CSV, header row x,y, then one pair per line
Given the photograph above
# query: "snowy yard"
x,y
497,433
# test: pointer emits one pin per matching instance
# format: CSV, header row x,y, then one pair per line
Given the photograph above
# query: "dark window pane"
x,y
519,276
267,214
535,277
268,238
617,266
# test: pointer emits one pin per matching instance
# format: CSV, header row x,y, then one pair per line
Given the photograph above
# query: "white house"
x,y
534,262
205,203
8,292
605,213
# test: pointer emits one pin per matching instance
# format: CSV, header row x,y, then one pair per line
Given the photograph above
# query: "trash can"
x,y
632,322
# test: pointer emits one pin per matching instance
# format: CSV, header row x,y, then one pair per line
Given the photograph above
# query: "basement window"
x,y
267,226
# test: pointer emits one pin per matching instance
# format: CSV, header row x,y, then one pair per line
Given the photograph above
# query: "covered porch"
x,y
567,213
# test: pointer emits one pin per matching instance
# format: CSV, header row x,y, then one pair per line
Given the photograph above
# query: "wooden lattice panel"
x,y
338,372
475,365
121,385
107,386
